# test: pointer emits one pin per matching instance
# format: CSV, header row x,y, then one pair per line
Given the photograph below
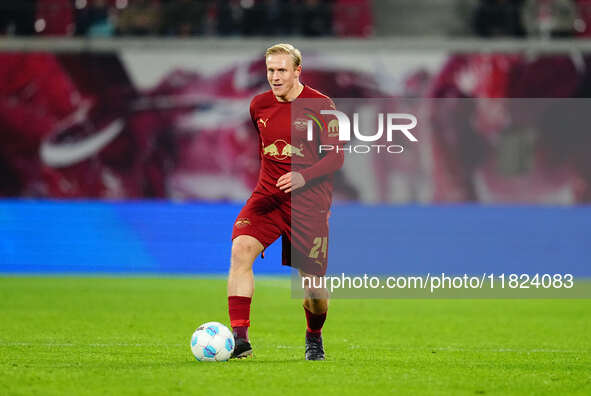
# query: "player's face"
x,y
282,74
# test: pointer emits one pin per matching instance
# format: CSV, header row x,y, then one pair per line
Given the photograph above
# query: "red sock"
x,y
315,323
239,309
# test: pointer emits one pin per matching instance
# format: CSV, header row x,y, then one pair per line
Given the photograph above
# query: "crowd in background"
x,y
104,18
541,18
311,18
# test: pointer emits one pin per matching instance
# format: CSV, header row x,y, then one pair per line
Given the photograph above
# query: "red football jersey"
x,y
285,147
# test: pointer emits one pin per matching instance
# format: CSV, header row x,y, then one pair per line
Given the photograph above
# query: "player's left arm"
x,y
329,163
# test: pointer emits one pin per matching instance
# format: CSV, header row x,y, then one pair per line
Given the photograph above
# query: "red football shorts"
x,y
304,236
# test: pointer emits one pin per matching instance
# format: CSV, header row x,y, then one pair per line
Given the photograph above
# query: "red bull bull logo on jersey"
x,y
280,150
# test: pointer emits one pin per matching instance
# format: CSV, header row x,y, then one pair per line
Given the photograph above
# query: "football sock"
x,y
239,309
315,323
240,332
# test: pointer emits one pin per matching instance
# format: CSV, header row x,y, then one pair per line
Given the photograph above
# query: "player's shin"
x,y
241,283
316,307
315,310
239,310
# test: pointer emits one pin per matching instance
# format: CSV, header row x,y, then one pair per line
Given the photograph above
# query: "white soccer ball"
x,y
212,342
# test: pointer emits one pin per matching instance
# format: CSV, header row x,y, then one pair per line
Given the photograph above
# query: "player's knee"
x,y
244,251
316,305
316,293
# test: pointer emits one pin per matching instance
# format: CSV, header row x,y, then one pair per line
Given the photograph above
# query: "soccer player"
x,y
291,169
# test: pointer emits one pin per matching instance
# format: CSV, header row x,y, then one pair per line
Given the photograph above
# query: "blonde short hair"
x,y
287,49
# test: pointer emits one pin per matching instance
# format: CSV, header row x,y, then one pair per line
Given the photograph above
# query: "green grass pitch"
x,y
130,336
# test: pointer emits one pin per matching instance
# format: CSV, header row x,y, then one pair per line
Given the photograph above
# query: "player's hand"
x,y
291,181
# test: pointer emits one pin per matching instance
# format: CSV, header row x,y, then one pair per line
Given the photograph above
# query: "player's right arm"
x,y
256,127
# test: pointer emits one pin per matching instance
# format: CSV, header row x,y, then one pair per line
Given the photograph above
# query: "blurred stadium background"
x,y
126,144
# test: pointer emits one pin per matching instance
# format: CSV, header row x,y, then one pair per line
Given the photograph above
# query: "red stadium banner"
x,y
133,125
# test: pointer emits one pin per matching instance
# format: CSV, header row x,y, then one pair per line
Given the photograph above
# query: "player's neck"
x,y
292,94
